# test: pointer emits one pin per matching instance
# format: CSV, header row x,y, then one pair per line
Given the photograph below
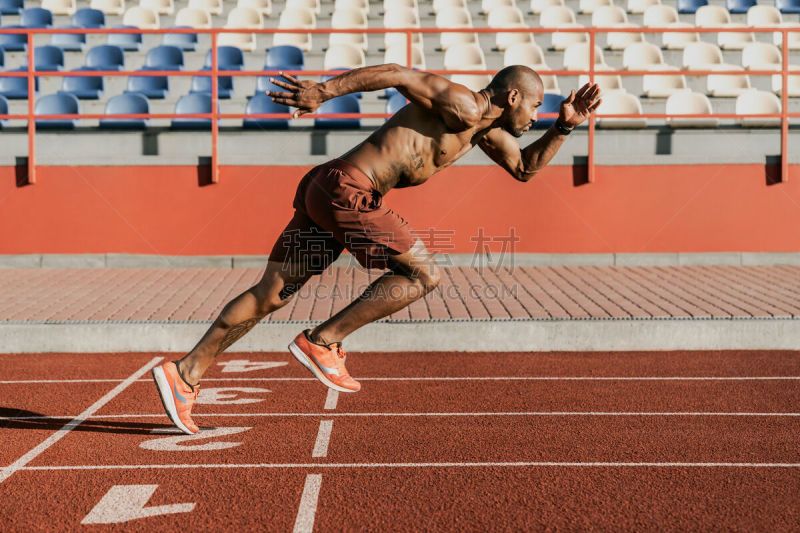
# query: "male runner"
x,y
339,205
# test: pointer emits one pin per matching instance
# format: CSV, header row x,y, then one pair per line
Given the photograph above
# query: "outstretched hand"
x,y
305,95
579,105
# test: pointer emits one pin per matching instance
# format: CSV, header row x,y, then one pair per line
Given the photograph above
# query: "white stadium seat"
x,y
60,7
794,37
764,16
488,5
727,85
397,54
614,16
641,56
312,5
665,16
793,83
663,85
637,7
562,17
690,103
242,17
361,5
508,17
244,41
474,82
701,56
756,102
401,18
301,19
349,18
710,16
214,7
589,6
761,56
455,17
538,5
439,5
576,57
464,57
263,6
606,82
389,5
345,56
109,7
192,17
620,102
141,17
162,7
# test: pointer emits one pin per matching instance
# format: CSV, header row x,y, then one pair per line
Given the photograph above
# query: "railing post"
x,y
214,100
590,176
785,108
31,121
409,52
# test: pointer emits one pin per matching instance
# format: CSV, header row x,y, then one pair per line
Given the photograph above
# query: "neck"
x,y
493,111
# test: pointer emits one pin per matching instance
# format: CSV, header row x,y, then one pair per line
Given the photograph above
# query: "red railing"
x,y
214,73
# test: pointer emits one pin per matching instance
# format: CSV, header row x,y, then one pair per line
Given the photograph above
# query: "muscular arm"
x,y
456,104
522,164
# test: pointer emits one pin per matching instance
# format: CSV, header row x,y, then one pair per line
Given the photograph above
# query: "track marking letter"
x,y
243,365
184,443
228,395
123,503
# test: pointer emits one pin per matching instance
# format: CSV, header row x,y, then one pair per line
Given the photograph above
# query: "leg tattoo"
x,y
235,333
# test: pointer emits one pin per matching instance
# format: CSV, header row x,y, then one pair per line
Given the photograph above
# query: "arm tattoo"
x,y
235,333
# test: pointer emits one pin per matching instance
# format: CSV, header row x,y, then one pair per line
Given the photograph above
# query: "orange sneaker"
x,y
177,396
325,362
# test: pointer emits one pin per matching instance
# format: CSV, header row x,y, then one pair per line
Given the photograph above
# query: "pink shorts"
x,y
337,207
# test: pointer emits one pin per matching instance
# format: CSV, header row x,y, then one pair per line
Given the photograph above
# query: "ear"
x,y
513,96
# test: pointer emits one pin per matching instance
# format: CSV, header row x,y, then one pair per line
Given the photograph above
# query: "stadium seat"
x,y
48,57
388,5
614,16
464,57
214,7
2,58
439,5
606,82
126,104
508,17
192,103
761,56
401,18
264,84
455,17
764,16
474,82
202,84
228,58
3,111
35,17
16,42
794,37
345,56
312,5
361,5
638,7
663,85
57,104
164,57
690,103
395,103
788,6
83,87
717,16
17,88
109,7
243,41
755,102
576,57
60,7
349,18
259,104
397,54
162,7
341,104
130,42
538,5
620,102
193,18
69,42
551,103
690,6
640,56
262,6
301,19
244,17
660,16
89,18
793,83
739,6
700,56
11,7
141,17
185,41
153,87
561,17
284,58
589,6
105,57
488,5
727,85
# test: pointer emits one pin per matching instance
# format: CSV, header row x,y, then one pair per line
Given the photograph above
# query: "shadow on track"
x,y
22,419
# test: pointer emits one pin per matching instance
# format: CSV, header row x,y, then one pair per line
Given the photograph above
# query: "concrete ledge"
x,y
458,335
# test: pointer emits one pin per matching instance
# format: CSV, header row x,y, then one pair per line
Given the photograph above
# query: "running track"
x,y
445,441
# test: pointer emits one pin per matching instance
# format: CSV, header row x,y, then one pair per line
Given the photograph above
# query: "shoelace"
x,y
340,357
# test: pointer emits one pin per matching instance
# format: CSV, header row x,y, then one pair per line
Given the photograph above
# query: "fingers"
x,y
283,84
280,94
290,78
582,91
594,105
283,100
569,99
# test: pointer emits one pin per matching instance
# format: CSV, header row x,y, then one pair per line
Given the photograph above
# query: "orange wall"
x,y
163,210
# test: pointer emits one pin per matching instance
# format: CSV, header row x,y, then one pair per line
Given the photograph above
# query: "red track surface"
x,y
676,443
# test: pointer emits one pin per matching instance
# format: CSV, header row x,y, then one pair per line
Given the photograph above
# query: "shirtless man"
x,y
339,205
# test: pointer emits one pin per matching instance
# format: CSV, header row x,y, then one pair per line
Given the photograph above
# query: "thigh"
x,y
303,248
417,262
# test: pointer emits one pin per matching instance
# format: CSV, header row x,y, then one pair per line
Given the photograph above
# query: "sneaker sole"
x,y
167,400
300,355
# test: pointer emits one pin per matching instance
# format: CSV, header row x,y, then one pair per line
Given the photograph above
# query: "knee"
x,y
269,299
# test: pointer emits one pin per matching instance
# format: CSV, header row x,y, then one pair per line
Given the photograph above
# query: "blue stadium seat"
x,y
261,103
48,57
125,104
189,104
83,87
164,57
202,84
3,111
228,58
739,6
285,58
13,42
2,58
788,6
89,18
36,17
57,104
185,41
690,6
16,88
551,103
11,7
395,103
130,42
341,104
105,57
153,87
69,42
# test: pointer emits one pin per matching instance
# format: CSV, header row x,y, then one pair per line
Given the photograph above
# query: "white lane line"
x,y
304,523
76,421
331,399
418,465
487,413
449,378
323,438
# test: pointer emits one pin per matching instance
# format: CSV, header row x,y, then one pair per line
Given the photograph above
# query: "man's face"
x,y
522,112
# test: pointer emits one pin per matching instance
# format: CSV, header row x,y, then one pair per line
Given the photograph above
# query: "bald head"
x,y
519,77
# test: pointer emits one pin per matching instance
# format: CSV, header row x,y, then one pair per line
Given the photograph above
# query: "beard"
x,y
515,133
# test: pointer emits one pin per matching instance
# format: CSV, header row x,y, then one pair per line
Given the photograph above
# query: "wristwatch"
x,y
562,128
